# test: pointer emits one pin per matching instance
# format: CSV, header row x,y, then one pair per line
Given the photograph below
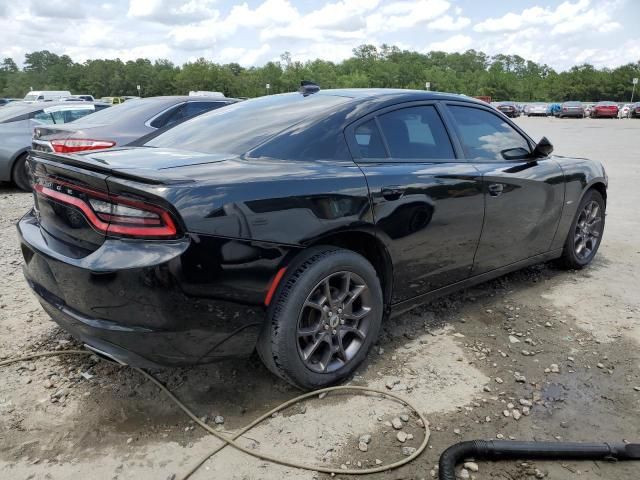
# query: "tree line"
x,y
502,77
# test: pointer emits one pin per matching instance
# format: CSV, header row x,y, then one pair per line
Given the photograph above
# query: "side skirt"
x,y
402,307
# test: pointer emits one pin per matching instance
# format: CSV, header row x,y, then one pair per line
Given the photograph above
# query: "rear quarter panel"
x,y
287,202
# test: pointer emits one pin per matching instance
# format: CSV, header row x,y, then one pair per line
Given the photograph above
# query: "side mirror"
x,y
543,148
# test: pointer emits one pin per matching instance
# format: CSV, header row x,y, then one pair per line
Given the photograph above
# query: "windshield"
x,y
123,111
239,127
31,98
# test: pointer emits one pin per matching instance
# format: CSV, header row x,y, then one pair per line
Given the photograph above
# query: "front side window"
x,y
416,133
486,136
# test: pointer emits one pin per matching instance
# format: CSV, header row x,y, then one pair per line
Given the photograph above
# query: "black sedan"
x,y
510,109
295,223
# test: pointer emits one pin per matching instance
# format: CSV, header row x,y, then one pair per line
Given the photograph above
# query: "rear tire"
x,y
323,319
20,174
585,234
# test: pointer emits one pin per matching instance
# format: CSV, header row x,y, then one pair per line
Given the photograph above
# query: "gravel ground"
x,y
541,354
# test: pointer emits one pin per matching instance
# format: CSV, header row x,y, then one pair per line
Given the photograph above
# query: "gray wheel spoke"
x,y
312,347
334,322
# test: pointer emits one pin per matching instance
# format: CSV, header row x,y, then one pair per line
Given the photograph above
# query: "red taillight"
x,y
111,214
70,145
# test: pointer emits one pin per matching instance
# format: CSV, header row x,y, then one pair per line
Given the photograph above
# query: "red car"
x,y
605,110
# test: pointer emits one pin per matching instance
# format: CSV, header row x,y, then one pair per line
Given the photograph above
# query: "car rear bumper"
x,y
572,114
162,310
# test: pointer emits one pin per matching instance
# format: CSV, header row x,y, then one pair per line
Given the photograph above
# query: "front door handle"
x,y
392,192
496,189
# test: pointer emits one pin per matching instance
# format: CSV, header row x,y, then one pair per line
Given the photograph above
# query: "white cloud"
x,y
447,23
398,16
456,43
243,56
566,18
171,11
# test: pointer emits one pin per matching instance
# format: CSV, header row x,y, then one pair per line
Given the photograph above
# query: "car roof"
x,y
359,93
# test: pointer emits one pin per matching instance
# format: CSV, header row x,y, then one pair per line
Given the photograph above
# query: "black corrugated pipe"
x,y
507,450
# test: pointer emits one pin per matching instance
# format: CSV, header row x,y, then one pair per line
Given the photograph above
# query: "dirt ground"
x,y
467,361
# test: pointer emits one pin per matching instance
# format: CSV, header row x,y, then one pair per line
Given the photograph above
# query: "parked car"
x,y
588,108
6,101
510,109
624,110
294,223
46,95
604,110
112,100
571,109
123,123
536,109
79,98
553,109
17,122
634,110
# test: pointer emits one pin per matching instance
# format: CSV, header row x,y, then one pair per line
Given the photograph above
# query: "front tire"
x,y
586,231
324,318
20,174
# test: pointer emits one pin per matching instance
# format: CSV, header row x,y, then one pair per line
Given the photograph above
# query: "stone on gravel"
x,y
402,436
471,466
218,420
519,377
526,403
378,461
404,417
554,368
406,451
464,474
392,383
513,339
516,414
499,380
366,438
396,423
363,447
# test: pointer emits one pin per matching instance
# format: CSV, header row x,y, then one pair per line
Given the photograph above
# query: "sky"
x,y
253,32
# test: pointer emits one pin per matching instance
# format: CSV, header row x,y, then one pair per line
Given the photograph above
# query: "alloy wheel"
x,y
334,322
588,230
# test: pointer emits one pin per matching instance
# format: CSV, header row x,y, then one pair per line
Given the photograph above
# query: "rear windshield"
x,y
238,128
11,111
607,104
125,110
573,104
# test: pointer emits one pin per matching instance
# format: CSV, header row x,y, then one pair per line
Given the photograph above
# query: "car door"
x,y
523,195
427,203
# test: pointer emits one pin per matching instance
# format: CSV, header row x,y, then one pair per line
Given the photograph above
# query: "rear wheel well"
x,y
370,248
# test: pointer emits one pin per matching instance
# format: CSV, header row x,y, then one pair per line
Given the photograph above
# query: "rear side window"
x,y
484,135
369,140
416,133
171,116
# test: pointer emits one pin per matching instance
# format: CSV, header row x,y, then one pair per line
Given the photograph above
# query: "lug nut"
x,y
339,310
334,332
342,321
326,327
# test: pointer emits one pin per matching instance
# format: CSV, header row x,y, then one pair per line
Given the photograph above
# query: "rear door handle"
x,y
496,189
393,192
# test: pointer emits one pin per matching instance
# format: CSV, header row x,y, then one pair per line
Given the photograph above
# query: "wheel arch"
x,y
371,248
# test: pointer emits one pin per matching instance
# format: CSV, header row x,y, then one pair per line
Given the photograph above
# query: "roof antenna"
x,y
307,88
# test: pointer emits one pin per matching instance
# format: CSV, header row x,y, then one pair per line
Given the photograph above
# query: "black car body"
x,y
510,109
634,110
435,191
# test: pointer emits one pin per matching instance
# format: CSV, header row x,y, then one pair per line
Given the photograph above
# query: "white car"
x,y
46,95
624,111
537,109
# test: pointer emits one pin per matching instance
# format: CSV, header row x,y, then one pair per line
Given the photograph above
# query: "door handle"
x,y
496,189
392,192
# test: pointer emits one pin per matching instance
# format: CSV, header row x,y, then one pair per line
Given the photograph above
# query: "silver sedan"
x,y
17,121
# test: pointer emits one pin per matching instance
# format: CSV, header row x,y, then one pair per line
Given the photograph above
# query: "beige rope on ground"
x,y
231,440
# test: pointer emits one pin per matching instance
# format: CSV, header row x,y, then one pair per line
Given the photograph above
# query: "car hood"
x,y
150,158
